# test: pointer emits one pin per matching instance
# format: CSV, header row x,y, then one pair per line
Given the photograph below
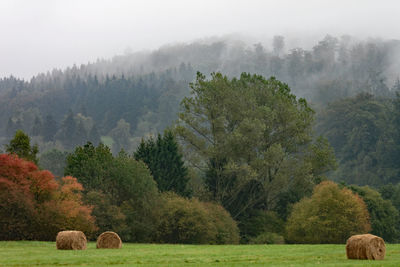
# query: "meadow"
x,y
32,253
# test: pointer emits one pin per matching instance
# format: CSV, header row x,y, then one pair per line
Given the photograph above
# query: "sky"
x,y
37,36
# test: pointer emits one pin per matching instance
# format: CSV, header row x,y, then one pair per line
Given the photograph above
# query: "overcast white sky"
x,y
36,36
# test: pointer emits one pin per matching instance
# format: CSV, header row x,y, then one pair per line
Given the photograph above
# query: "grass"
x,y
32,253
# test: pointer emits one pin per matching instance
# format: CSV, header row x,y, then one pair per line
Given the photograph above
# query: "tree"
x,y
49,128
34,206
68,132
109,217
20,145
121,135
91,165
165,162
126,184
278,44
384,216
360,129
94,136
330,215
37,127
252,139
54,161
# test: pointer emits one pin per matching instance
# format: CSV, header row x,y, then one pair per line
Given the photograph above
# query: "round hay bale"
x,y
109,240
365,247
75,240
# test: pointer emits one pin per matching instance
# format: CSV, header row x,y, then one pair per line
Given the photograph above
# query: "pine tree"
x,y
165,162
37,127
94,136
67,131
10,128
49,128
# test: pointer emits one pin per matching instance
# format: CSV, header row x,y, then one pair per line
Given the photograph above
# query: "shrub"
x,y
227,230
190,221
331,215
267,238
260,222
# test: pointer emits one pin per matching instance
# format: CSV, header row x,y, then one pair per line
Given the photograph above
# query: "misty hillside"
x,y
133,95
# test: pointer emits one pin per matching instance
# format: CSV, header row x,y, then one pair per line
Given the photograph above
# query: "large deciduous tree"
x,y
252,138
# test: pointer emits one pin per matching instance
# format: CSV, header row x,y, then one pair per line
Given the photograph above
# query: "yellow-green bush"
x,y
331,215
190,221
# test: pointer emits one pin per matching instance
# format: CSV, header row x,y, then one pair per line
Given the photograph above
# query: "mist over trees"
x,y
246,142
144,89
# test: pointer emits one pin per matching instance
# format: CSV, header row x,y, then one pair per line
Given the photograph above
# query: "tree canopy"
x,y
252,139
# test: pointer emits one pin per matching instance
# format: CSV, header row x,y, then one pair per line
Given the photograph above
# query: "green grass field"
x,y
30,253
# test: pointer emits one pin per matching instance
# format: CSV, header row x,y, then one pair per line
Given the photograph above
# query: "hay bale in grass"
x,y
365,247
75,240
109,240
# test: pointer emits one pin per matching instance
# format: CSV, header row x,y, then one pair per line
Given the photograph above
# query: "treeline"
x,y
130,96
112,193
249,144
68,110
255,172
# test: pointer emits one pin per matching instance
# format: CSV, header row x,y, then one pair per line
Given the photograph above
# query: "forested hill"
x,y
131,96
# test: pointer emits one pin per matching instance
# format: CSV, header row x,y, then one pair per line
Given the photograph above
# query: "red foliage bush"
x,y
34,206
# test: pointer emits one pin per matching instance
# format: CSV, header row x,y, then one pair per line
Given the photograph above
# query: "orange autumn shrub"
x,y
34,206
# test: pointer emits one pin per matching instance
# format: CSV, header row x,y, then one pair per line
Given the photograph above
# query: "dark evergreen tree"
x,y
37,127
165,162
10,130
94,136
49,128
80,135
67,131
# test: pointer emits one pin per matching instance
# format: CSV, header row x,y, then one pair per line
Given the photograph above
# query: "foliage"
x,y
361,132
391,192
227,230
267,238
34,206
125,182
91,165
384,217
330,215
121,136
145,89
20,145
165,162
252,138
190,221
261,225
54,161
109,217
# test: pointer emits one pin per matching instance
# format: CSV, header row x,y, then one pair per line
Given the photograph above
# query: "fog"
x,y
37,36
